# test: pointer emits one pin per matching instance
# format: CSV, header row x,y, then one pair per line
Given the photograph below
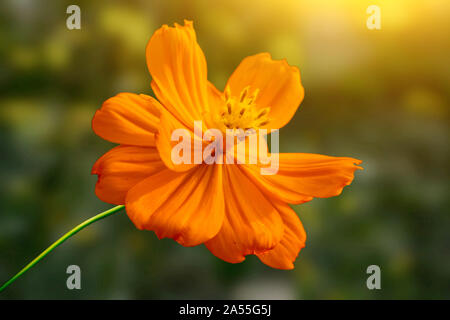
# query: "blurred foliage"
x,y
381,96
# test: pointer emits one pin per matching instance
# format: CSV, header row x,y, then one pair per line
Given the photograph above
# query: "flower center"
x,y
242,112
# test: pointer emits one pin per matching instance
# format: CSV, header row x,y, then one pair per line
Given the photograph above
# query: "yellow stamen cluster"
x,y
241,112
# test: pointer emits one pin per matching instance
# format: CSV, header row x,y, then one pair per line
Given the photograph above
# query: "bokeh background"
x,y
378,95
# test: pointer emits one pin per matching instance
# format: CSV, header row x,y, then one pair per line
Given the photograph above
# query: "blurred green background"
x,y
378,95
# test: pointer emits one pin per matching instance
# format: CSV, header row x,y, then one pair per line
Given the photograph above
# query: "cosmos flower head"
x,y
231,208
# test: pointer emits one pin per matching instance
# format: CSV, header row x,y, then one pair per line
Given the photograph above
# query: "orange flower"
x,y
231,208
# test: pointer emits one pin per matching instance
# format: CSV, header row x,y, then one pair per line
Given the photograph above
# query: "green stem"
x,y
61,240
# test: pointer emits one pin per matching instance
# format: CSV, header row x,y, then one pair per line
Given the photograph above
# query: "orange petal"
x,y
302,176
294,237
123,167
128,118
216,99
165,145
187,207
279,84
251,225
178,68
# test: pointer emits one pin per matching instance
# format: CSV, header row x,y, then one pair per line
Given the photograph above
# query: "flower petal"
x,y
251,225
123,167
128,118
178,68
187,207
294,237
302,176
279,84
165,144
216,99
